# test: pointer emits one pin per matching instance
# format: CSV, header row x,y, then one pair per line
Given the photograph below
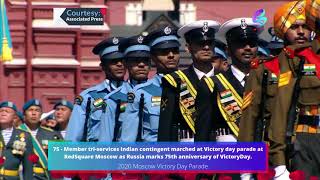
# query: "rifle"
x,y
141,106
261,122
85,128
117,122
292,113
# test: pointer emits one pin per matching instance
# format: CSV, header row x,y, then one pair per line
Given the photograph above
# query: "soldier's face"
x,y
115,69
298,33
201,50
244,51
33,114
62,114
7,115
220,64
166,59
138,68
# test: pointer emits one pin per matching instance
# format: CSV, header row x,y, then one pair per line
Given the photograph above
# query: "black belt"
x,y
186,134
223,131
309,120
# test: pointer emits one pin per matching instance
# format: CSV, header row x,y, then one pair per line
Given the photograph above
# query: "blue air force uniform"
x,y
116,102
150,109
113,114
142,121
84,122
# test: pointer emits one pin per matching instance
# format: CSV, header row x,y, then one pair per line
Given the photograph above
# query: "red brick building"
x,y
51,62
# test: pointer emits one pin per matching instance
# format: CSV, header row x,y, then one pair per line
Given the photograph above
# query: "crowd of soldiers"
x,y
238,89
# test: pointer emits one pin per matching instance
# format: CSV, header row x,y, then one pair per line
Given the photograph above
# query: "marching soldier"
x,y
84,124
40,136
220,115
142,121
15,145
294,125
177,110
137,59
261,89
256,119
62,114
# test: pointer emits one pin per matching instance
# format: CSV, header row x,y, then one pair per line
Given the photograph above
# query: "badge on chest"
x,y
19,145
309,69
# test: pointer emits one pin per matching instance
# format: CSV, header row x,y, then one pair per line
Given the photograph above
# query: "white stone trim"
x,y
158,5
104,27
188,13
18,3
90,63
55,61
16,61
134,14
49,23
93,6
46,3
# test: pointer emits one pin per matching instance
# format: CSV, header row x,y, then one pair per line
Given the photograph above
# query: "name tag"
x,y
155,101
309,69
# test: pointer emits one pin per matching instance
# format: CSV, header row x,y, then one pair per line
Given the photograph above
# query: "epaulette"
x,y
171,79
254,64
152,89
289,52
86,91
118,95
142,85
273,65
47,128
79,98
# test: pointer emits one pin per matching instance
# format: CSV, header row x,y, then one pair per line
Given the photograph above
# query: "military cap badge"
x,y
115,40
140,39
36,102
205,27
243,24
167,30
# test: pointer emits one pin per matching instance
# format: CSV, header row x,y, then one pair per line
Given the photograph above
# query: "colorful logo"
x,y
260,17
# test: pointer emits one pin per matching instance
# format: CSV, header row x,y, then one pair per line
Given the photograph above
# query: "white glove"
x,y
246,176
226,138
187,140
281,173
